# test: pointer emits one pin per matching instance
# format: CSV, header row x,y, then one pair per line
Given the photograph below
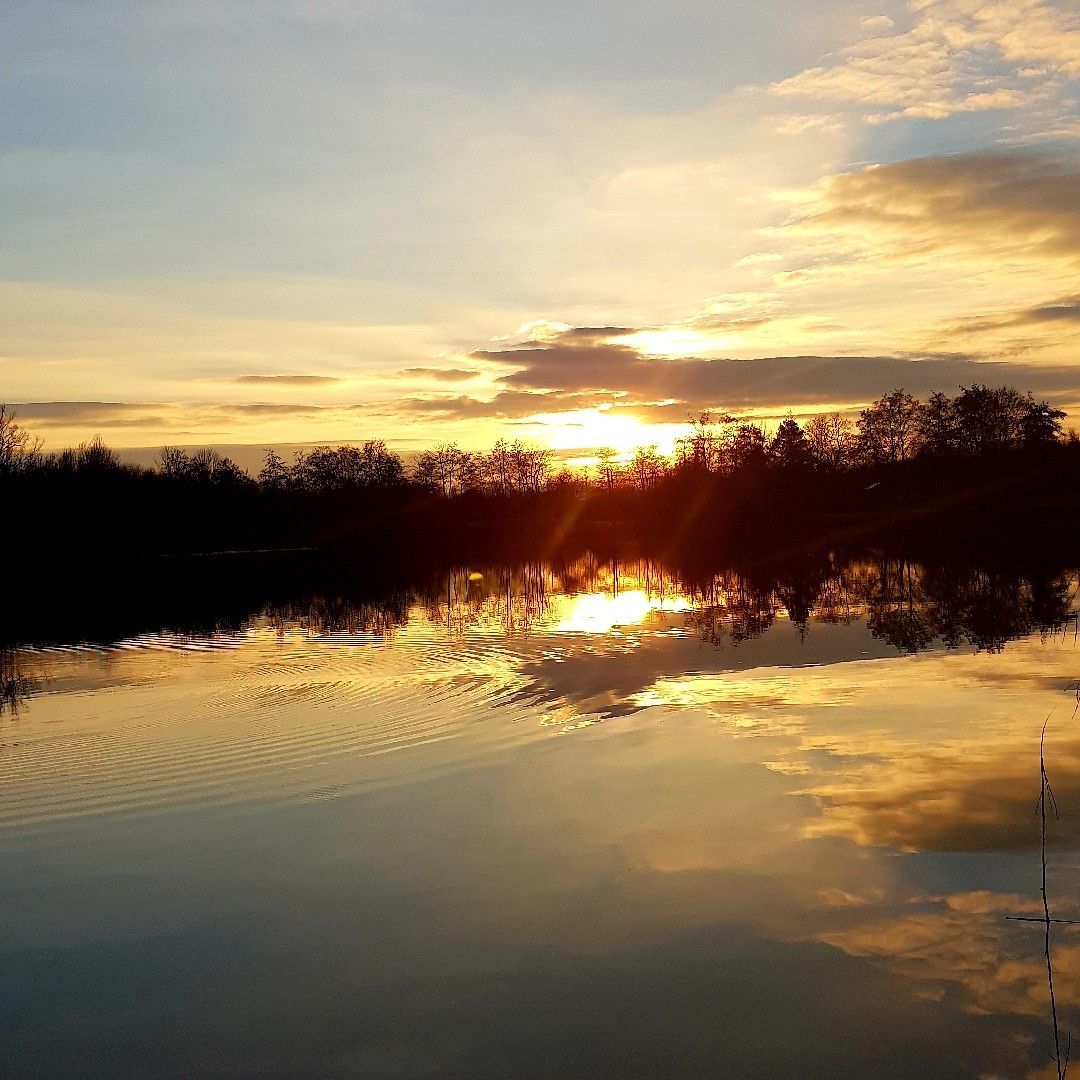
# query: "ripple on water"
x,y
192,722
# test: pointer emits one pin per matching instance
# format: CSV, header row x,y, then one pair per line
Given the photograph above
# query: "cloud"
x,y
760,258
68,421
959,56
1064,311
441,374
41,414
562,375
980,206
508,405
1067,311
263,408
287,380
912,252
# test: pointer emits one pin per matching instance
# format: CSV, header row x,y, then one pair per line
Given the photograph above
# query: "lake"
x,y
599,819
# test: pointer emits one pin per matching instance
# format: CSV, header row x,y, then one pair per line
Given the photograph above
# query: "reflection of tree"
x,y
898,612
798,590
734,605
328,614
515,599
911,606
15,686
906,604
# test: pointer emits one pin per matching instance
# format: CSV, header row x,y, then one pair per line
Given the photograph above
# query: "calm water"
x,y
579,823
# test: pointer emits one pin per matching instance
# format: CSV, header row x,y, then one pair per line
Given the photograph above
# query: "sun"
x,y
590,429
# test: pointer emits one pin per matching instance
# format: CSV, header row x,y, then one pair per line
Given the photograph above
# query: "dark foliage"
x,y
985,459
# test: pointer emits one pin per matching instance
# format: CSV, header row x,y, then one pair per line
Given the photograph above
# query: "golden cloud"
x,y
959,56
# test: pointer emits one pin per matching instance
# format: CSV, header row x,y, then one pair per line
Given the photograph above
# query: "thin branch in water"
x,y
1046,796
1040,919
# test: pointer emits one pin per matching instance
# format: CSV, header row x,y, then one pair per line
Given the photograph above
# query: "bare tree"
x,y
17,447
831,440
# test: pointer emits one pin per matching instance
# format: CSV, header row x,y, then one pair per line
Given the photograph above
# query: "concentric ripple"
x,y
160,723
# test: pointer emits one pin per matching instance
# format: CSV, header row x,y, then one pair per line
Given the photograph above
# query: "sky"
x,y
285,221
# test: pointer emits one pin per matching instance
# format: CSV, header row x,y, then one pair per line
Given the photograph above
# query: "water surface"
x,y
588,821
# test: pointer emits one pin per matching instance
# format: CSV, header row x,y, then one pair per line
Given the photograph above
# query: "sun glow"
x,y
600,613
593,428
676,342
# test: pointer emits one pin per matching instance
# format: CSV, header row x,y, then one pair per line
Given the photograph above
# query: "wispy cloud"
x,y
960,56
451,375
286,380
1023,202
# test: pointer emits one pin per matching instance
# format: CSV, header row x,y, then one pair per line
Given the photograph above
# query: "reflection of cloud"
x,y
965,942
622,675
772,695
948,798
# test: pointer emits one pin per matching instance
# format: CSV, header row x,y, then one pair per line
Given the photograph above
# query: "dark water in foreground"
x,y
594,822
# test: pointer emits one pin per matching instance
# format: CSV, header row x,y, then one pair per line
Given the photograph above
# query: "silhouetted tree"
x,y
646,467
831,440
936,426
444,468
789,448
607,469
748,447
172,462
274,475
17,447
209,467
988,420
529,465
1040,425
345,468
888,428
93,456
702,448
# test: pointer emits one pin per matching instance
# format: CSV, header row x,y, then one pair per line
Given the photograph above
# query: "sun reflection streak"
x,y
601,613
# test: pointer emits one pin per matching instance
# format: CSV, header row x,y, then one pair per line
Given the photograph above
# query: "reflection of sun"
x,y
598,613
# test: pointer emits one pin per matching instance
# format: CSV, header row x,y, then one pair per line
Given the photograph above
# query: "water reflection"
x,y
16,687
383,831
906,605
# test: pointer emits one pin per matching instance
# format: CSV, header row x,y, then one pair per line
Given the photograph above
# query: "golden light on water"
x,y
600,613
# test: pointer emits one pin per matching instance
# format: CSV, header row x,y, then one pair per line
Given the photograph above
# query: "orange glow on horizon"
x,y
590,429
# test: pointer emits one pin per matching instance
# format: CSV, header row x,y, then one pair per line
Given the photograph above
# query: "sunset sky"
x,y
275,221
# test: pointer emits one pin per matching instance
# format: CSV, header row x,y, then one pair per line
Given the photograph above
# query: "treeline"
x,y
727,476
980,422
